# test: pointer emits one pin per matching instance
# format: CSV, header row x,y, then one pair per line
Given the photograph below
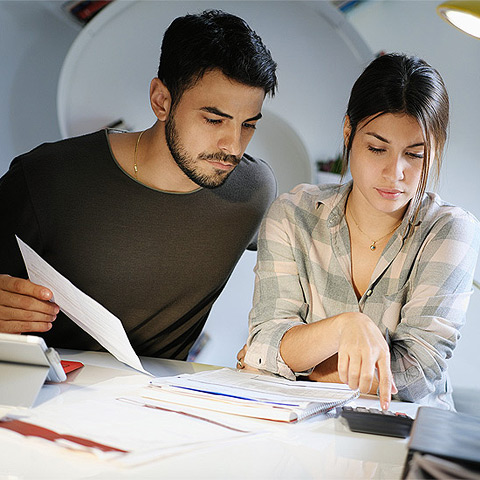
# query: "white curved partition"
x,y
106,77
106,74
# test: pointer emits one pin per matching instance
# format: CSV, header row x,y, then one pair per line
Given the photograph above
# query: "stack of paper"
x,y
251,395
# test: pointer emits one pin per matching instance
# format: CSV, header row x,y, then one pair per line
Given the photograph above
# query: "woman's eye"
x,y
415,155
376,150
250,125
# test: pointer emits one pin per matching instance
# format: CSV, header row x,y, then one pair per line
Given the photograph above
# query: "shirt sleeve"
x,y
278,301
17,217
269,192
434,312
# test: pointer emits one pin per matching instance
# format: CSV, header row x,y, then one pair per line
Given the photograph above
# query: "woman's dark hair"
x,y
401,84
213,39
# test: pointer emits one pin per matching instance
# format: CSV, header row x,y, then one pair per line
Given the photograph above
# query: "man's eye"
x,y
250,125
212,121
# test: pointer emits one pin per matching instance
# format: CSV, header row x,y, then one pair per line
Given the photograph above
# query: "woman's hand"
x,y
25,306
362,351
327,371
241,365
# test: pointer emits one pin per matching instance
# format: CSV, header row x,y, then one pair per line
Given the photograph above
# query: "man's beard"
x,y
189,166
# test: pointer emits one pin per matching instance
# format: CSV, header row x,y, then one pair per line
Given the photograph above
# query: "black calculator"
x,y
378,422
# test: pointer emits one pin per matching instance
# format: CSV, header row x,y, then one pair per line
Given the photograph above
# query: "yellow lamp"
x,y
463,15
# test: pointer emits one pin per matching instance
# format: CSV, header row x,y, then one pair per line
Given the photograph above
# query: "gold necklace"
x,y
373,246
135,167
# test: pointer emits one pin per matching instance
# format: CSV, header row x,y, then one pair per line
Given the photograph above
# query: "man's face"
x,y
211,126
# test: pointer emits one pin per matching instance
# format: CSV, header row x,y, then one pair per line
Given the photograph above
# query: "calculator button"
x,y
364,420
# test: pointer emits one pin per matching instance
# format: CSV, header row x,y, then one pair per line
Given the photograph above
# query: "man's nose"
x,y
231,141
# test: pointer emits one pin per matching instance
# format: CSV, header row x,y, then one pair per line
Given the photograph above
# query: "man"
x,y
150,224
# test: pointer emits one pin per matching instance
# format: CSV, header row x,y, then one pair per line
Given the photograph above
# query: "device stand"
x,y
20,383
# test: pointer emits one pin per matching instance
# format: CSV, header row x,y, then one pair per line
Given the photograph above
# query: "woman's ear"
x,y
347,130
160,99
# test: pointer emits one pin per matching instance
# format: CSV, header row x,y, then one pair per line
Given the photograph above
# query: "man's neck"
x,y
156,167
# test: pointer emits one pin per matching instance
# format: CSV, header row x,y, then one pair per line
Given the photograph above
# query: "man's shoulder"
x,y
256,166
253,174
51,152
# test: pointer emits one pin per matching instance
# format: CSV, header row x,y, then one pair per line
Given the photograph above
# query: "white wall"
x,y
413,27
33,44
34,41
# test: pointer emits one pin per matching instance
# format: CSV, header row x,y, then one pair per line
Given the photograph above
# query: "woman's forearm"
x,y
305,346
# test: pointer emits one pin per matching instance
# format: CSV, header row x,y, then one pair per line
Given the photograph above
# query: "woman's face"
x,y
386,162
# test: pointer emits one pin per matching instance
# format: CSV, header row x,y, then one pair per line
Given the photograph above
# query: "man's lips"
x,y
221,165
220,161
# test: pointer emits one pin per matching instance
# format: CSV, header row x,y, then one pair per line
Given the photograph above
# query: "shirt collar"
x,y
335,199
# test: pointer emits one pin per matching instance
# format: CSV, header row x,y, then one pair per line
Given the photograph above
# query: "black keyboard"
x,y
378,422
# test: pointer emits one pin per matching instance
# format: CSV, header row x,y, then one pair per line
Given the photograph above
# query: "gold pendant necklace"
x,y
135,167
373,245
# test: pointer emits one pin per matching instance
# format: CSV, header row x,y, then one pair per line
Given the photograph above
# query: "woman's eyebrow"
x,y
379,137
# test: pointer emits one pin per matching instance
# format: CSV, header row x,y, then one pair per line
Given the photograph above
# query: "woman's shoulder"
x,y
310,197
434,208
446,218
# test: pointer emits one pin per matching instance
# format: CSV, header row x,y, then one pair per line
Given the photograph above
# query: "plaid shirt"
x,y
418,294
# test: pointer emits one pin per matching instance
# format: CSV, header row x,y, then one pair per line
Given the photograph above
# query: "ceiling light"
x,y
463,15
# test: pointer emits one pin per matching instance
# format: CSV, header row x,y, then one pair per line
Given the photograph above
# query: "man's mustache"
x,y
220,157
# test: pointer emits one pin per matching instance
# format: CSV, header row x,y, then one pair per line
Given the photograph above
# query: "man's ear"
x,y
347,130
160,99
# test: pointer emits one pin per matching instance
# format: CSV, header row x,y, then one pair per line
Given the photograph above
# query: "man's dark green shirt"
x,y
157,260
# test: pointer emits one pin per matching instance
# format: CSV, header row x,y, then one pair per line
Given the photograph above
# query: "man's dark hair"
x,y
195,44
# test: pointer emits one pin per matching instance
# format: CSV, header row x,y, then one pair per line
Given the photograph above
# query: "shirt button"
x,y
368,293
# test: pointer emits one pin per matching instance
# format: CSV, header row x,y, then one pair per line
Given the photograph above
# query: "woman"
x,y
368,283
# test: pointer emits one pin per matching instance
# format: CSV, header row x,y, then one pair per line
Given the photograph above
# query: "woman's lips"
x,y
389,193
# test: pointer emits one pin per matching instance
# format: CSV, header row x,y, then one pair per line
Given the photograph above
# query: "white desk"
x,y
317,448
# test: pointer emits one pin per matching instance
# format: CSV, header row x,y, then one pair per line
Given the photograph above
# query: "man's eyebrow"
x,y
376,135
256,117
218,112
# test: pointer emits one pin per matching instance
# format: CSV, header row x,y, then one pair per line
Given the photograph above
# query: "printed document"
x,y
249,394
88,314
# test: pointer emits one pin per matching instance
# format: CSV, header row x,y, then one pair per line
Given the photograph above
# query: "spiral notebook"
x,y
249,394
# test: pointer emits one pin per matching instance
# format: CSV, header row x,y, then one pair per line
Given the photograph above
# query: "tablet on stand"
x,y
25,364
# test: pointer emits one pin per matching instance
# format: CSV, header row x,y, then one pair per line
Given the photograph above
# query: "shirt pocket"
x,y
392,307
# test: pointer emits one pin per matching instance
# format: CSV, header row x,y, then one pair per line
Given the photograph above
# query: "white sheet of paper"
x,y
257,386
100,414
88,314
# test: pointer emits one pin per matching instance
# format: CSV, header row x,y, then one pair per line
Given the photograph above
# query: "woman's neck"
x,y
370,221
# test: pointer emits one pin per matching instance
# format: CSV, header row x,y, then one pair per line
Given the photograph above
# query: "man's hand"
x,y
25,306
